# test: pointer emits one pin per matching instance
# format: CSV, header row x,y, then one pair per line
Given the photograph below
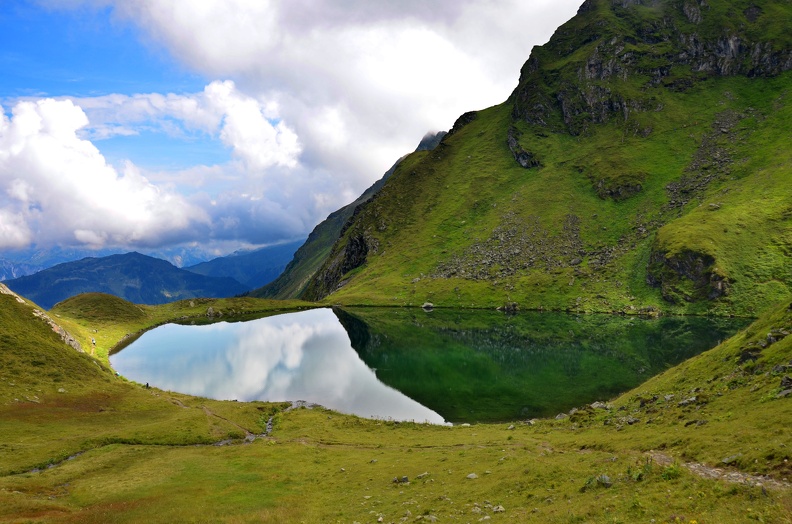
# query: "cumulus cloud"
x,y
250,128
358,81
57,185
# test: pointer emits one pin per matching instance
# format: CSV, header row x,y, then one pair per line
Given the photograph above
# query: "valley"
x,y
591,281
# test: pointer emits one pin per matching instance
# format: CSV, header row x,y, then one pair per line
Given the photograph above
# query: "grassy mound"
x,y
99,307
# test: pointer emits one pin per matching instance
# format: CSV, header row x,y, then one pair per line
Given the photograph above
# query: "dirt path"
x,y
709,472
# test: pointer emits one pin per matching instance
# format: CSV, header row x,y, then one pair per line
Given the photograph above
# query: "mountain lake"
x,y
439,366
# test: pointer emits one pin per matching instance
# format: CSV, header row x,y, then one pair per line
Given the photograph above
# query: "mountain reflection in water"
x,y
407,364
304,355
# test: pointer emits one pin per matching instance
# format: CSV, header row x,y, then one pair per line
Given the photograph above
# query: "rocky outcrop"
x,y
346,257
525,158
687,276
461,122
674,51
617,192
516,245
65,336
430,141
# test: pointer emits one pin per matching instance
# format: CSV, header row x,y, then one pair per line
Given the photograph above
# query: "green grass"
x,y
122,453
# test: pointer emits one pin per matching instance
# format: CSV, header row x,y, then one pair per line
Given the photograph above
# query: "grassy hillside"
x,y
639,164
81,445
131,276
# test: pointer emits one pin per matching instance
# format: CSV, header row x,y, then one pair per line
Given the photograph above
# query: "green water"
x,y
477,366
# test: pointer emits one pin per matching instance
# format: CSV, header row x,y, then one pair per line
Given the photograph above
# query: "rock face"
x,y
351,256
525,158
687,276
688,34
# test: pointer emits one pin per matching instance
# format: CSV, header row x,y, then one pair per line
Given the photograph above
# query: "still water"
x,y
439,366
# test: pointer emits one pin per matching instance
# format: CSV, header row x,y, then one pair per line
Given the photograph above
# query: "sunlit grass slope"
x,y
121,453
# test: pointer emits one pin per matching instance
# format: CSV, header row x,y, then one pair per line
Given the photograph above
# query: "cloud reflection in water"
x,y
295,356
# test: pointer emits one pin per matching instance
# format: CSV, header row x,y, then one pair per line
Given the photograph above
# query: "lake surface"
x,y
405,364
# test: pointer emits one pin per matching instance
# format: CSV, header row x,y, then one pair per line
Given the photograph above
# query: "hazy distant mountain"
x,y
252,268
23,262
134,277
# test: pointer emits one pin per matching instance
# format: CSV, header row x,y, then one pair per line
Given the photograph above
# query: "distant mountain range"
x,y
134,277
23,262
251,268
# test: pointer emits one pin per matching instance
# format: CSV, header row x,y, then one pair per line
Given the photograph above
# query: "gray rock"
x,y
784,393
498,509
428,306
472,476
687,401
786,382
604,480
731,459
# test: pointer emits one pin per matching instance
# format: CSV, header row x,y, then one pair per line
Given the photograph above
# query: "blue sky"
x,y
86,52
82,52
136,124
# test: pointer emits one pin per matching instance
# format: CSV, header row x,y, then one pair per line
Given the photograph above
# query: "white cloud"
x,y
57,186
249,130
389,70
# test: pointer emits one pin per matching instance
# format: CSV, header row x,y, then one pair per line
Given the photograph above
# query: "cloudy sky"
x,y
151,123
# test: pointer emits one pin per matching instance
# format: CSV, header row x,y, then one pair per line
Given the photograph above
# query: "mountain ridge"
x,y
135,277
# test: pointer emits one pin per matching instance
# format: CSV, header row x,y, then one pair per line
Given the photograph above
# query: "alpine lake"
x,y
439,366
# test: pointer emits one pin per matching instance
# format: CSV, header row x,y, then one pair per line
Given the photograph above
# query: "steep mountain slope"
x,y
252,268
134,277
641,163
311,255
